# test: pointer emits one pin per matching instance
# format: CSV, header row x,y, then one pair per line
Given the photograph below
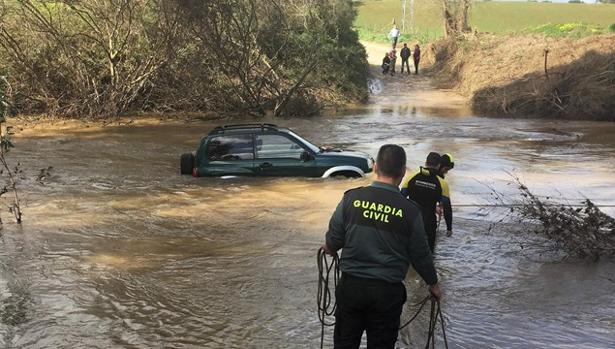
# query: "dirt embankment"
x,y
508,76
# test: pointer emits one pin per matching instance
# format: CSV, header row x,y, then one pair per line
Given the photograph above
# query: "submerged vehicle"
x,y
269,150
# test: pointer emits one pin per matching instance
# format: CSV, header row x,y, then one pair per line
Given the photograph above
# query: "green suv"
x,y
269,150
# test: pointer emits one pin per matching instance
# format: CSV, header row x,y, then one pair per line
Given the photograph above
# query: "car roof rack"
x,y
222,129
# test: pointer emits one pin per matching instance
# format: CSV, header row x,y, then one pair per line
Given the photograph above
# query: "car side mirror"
x,y
306,156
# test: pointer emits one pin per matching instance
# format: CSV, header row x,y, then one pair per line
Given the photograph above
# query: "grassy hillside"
x,y
375,17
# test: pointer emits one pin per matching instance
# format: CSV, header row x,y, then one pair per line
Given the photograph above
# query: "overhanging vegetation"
x,y
109,57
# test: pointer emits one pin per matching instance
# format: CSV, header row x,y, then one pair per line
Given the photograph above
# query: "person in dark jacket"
x,y
405,56
380,233
417,58
427,189
446,164
386,64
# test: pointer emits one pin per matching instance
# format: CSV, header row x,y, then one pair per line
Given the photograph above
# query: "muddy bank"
x,y
510,76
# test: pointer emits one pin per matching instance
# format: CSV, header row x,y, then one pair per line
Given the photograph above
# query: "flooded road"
x,y
119,251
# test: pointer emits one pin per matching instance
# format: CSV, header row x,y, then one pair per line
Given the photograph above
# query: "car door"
x,y
229,155
279,155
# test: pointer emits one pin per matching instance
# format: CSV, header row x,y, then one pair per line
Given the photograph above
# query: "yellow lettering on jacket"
x,y
377,211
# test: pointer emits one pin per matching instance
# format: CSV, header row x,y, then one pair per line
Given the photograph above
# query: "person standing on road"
x,y
445,207
417,58
405,55
426,188
394,35
393,58
380,234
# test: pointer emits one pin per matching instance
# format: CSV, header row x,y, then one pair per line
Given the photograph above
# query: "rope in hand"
x,y
436,313
327,306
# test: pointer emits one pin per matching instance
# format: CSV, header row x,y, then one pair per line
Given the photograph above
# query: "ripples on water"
x,y
118,251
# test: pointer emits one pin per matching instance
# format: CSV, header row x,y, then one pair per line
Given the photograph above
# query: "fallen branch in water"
x,y
584,231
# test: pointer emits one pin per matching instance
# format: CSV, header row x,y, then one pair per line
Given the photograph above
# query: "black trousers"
x,y
431,226
367,305
405,62
416,66
430,222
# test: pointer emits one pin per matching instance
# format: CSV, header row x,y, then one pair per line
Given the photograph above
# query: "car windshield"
x,y
308,144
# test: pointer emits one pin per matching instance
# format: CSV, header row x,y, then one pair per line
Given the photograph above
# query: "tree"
x,y
268,52
78,57
108,57
456,14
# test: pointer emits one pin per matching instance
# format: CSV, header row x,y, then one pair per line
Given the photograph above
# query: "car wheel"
x,y
186,163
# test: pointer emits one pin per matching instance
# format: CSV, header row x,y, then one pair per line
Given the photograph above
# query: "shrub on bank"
x,y
249,57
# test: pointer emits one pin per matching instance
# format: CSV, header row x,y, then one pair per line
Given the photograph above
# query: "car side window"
x,y
277,146
225,148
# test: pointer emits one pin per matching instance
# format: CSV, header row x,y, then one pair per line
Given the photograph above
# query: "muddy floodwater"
x,y
119,251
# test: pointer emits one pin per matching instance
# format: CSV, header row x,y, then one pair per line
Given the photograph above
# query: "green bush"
x,y
612,28
575,30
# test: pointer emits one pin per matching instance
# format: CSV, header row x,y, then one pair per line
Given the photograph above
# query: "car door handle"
x,y
265,165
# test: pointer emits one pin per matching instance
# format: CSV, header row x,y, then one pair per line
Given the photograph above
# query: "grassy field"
x,y
375,18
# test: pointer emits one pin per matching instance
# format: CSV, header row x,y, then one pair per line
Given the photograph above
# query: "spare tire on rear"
x,y
186,163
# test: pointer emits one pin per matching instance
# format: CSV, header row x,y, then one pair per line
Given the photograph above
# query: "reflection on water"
x,y
119,251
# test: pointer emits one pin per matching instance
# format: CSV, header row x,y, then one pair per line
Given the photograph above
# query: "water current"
x,y
119,251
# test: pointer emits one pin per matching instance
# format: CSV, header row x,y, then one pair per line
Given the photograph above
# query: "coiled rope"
x,y
328,270
326,304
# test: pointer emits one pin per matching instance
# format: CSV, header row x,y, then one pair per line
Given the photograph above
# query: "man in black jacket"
x,y
381,234
427,189
405,56
446,164
417,58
